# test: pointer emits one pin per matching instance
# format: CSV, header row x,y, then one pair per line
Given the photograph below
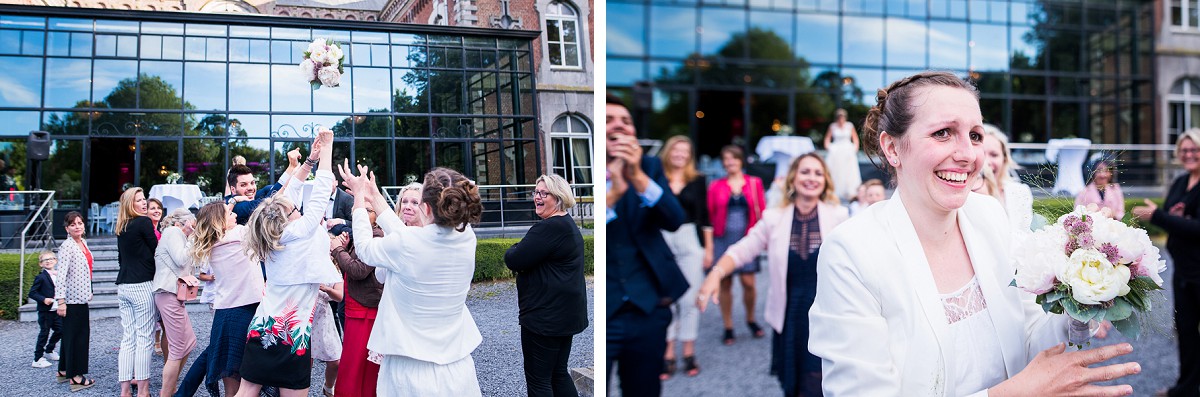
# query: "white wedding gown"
x,y
842,159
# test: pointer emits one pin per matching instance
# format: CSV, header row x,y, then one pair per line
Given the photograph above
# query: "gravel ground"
x,y
497,359
743,368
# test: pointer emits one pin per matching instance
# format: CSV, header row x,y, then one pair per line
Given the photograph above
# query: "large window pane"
x,y
288,90
412,161
672,34
252,89
204,164
158,160
63,173
69,84
249,125
116,83
820,38
373,153
66,123
409,94
412,127
989,47
257,154
205,87
625,33
21,82
862,41
718,26
446,88
161,77
370,89
19,123
903,47
948,45
326,99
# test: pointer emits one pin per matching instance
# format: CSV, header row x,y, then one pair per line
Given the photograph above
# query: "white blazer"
x,y
772,234
878,323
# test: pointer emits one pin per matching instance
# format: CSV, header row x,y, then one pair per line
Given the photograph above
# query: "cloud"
x,y
16,94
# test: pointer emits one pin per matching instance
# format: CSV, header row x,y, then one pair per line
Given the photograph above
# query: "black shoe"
x,y
668,369
689,366
755,329
729,336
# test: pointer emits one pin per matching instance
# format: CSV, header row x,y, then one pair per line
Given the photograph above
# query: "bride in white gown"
x,y
841,145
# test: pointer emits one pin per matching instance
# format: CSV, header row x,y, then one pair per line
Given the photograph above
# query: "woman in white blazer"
x,y
791,237
913,296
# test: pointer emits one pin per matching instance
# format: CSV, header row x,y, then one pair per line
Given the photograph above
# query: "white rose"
x,y
308,69
1093,279
329,76
320,56
1038,258
335,54
318,44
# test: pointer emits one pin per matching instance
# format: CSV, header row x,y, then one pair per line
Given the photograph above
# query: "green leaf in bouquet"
x,y
1012,283
315,84
1054,296
1120,310
1078,311
1137,299
1143,283
1130,327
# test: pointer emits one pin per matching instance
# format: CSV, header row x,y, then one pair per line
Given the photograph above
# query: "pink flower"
x,y
300,351
329,76
308,69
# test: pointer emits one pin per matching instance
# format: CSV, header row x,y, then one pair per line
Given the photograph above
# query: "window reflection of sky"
x,y
673,32
820,38
20,81
625,33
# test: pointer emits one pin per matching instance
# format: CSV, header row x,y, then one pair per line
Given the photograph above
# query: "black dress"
x,y
799,371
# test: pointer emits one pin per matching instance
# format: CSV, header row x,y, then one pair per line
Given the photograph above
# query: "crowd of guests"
x,y
274,262
858,328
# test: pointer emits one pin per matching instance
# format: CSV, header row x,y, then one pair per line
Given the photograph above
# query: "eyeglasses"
x,y
47,260
541,193
1191,151
294,209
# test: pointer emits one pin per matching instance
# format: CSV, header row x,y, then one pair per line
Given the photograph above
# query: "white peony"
x,y
329,76
1150,265
335,54
1092,278
1131,242
320,56
308,69
1039,258
318,44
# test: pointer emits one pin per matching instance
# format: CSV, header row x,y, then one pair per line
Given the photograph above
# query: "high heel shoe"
x,y
668,369
728,339
755,329
689,366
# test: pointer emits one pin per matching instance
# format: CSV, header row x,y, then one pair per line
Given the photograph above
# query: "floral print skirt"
x,y
278,344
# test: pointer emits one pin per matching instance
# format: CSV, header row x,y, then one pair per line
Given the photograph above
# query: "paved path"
x,y
743,369
497,360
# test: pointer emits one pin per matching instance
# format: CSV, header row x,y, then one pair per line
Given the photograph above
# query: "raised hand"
x,y
1145,212
293,157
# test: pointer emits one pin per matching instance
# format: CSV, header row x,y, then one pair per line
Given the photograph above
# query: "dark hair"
x,y
611,99
453,198
893,113
735,151
70,218
236,171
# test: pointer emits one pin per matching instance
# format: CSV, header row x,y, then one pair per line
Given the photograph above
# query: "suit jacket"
x,y
343,207
641,267
773,234
43,287
878,323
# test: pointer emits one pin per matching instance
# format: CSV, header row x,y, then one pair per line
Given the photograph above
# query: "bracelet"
x,y
311,162
720,272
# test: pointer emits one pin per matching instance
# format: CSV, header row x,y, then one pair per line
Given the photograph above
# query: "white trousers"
x,y
136,304
689,255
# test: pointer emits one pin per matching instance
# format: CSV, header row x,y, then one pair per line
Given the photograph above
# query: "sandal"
x,y
82,384
62,377
729,337
755,329
668,369
689,366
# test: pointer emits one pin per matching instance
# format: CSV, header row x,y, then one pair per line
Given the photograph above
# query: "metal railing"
x,y
38,227
512,205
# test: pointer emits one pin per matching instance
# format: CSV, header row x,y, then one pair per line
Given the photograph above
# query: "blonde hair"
x,y
560,189
789,188
1009,165
210,229
1191,133
126,212
47,252
990,182
416,187
179,215
689,170
266,226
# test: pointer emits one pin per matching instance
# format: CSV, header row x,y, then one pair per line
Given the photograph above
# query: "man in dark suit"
x,y
643,279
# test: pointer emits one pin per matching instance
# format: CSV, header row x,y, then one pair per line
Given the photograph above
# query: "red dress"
x,y
357,377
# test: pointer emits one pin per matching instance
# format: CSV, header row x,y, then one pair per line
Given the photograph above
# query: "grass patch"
x,y
1054,207
10,265
489,258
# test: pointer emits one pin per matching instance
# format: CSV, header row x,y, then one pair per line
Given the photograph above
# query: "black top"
x,y
135,251
694,199
551,294
1183,232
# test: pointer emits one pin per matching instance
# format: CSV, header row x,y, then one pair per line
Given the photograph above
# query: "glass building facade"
x,y
737,70
131,97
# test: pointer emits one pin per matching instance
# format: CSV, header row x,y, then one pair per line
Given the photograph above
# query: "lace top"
x,y
806,234
974,350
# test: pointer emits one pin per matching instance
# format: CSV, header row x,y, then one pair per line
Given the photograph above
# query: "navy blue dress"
x,y
798,370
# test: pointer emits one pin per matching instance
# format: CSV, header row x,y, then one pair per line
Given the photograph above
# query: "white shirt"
x,y
423,312
305,256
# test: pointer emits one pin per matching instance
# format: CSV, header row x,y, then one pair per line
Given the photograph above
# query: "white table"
x,y
176,196
1070,155
782,149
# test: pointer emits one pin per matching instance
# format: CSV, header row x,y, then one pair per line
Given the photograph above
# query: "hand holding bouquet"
x,y
1091,267
322,64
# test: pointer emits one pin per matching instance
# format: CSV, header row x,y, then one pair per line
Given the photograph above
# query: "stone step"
x,y
99,308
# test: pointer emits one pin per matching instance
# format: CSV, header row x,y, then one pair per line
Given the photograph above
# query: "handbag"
x,y
185,292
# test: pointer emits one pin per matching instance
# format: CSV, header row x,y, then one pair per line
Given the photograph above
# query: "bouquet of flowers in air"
x,y
322,64
173,177
1091,267
202,182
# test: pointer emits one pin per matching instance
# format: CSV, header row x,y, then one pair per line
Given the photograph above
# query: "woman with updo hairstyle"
x,y
913,296
425,332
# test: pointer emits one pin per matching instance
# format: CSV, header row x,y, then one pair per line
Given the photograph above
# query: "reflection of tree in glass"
x,y
773,66
153,92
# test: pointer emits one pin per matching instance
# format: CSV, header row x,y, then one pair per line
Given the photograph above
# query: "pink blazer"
x,y
718,202
1113,199
773,235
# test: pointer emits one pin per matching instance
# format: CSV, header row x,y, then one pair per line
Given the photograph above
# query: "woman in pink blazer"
x,y
735,204
1103,191
791,237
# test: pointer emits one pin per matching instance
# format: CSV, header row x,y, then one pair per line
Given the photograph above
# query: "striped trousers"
x,y
136,303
